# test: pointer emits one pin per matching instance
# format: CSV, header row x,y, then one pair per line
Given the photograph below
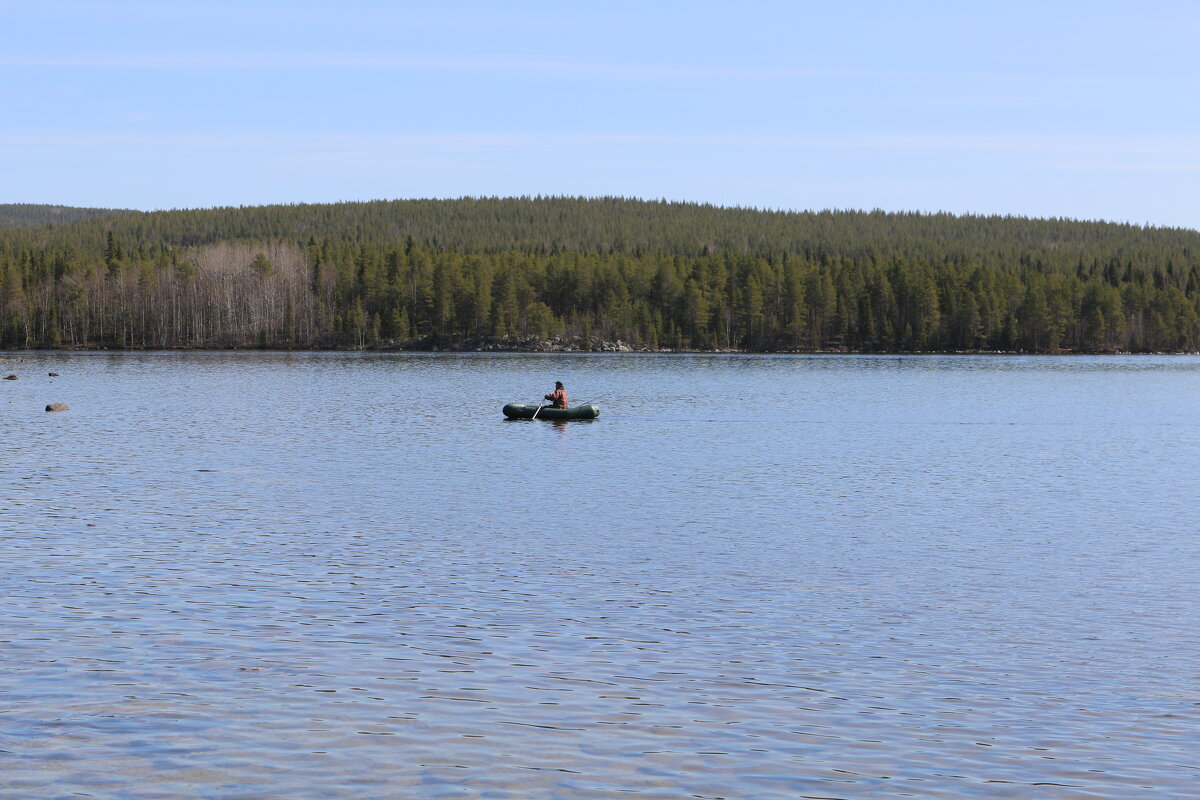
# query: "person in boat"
x,y
559,396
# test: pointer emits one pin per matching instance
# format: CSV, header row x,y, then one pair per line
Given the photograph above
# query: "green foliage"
x,y
29,215
469,272
262,265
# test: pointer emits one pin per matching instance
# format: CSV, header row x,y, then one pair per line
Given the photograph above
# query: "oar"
x,y
535,413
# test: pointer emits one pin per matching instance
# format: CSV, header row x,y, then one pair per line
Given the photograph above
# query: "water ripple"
x,y
766,577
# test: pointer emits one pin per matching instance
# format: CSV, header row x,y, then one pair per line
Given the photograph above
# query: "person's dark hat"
x,y
558,384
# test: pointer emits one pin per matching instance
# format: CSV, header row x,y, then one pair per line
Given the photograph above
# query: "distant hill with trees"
x,y
517,273
31,215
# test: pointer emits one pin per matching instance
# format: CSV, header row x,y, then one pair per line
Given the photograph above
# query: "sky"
x,y
1087,110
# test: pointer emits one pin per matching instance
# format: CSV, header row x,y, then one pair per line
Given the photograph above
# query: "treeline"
x,y
517,272
617,225
30,215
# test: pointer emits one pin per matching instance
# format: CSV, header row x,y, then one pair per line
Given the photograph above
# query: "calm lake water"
x,y
301,576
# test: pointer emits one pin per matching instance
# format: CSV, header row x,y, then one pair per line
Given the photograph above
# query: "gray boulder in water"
x,y
58,407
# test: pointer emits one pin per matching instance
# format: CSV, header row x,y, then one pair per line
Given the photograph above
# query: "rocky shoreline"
x,y
577,345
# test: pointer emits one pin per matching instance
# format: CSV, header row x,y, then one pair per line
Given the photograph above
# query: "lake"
x,y
343,575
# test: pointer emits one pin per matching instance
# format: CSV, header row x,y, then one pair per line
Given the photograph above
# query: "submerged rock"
x,y
53,374
58,407
11,378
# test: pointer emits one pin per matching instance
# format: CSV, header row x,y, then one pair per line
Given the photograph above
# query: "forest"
x,y
25,215
556,272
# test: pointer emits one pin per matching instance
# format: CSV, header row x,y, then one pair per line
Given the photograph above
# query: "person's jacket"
x,y
559,398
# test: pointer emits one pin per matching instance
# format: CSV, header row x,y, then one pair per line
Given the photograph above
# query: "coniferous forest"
x,y
526,273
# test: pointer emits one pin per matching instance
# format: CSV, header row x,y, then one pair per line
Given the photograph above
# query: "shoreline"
x,y
600,348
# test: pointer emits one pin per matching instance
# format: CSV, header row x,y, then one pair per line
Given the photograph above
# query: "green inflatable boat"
x,y
528,411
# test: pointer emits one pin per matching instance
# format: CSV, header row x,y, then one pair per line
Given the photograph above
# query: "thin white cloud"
x,y
287,61
1135,165
1124,152
345,14
367,61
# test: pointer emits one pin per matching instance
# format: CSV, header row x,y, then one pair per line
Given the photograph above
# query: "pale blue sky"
x,y
1084,109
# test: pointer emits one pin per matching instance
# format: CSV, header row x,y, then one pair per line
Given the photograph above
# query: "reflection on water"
x,y
324,576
